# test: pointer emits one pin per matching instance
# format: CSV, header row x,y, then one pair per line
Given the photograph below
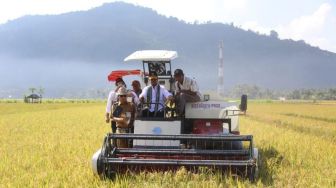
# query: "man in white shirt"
x,y
112,97
155,95
186,90
136,87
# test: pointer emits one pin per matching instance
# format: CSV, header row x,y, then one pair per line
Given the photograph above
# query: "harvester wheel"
x,y
98,166
101,167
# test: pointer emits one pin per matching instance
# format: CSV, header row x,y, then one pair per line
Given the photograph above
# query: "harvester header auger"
x,y
221,152
206,136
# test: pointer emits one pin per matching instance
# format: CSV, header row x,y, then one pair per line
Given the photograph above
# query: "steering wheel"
x,y
143,105
170,109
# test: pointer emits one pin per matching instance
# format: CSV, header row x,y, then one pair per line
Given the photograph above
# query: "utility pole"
x,y
220,86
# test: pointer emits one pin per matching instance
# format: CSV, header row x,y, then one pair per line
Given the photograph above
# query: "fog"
x,y
70,78
57,78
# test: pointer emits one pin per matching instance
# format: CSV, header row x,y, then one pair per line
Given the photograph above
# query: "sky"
x,y
313,21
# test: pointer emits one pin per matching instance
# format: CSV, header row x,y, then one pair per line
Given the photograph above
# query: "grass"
x,y
51,144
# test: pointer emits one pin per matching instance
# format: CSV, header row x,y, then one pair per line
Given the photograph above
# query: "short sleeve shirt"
x,y
128,112
112,97
188,84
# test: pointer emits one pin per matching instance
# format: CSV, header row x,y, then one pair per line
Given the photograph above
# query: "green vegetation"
x,y
56,101
256,92
51,145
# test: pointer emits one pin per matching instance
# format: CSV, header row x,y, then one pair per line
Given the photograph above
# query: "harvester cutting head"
x,y
220,152
207,136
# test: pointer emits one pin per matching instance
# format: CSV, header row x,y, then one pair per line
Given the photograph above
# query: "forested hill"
x,y
109,33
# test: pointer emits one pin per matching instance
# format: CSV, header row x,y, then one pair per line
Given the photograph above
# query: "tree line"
x,y
256,92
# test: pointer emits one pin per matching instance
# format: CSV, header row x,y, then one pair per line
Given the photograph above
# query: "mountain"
x,y
77,50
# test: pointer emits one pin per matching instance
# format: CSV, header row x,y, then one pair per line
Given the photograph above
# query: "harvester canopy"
x,y
114,75
152,55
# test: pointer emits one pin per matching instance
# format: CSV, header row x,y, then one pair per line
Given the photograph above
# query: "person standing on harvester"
x,y
186,91
123,114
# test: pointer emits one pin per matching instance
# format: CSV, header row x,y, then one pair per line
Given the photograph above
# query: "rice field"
x,y
51,145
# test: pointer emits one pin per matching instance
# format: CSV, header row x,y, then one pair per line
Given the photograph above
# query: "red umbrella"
x,y
114,75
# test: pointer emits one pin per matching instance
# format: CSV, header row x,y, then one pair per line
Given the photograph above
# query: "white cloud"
x,y
314,28
255,26
306,25
191,10
188,10
13,9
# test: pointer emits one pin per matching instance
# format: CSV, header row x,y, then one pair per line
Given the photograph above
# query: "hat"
x,y
153,75
178,72
122,91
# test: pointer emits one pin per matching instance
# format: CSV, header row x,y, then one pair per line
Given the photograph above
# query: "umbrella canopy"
x,y
114,75
34,96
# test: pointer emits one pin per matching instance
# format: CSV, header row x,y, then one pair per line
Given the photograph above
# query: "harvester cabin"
x,y
158,61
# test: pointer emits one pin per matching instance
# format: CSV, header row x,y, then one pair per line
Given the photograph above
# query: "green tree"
x,y
32,90
40,91
274,34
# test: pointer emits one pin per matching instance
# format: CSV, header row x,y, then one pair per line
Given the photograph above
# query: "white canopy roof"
x,y
152,55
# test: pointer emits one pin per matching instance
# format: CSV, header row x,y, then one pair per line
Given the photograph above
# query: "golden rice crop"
x,y
51,145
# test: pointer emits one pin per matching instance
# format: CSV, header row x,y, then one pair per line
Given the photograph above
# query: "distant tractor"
x,y
207,136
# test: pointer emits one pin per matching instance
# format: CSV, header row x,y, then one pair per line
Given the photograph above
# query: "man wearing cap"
x,y
155,94
123,114
186,90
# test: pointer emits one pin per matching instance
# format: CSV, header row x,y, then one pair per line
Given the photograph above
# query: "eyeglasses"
x,y
122,95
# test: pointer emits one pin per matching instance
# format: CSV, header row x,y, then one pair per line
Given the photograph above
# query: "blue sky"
x,y
311,20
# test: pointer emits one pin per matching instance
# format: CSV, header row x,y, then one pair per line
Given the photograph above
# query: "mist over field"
x,y
58,79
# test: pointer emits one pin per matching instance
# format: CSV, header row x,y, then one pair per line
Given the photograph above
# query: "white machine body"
x,y
157,127
214,110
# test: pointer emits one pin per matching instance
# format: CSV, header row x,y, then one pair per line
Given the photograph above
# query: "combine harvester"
x,y
207,136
